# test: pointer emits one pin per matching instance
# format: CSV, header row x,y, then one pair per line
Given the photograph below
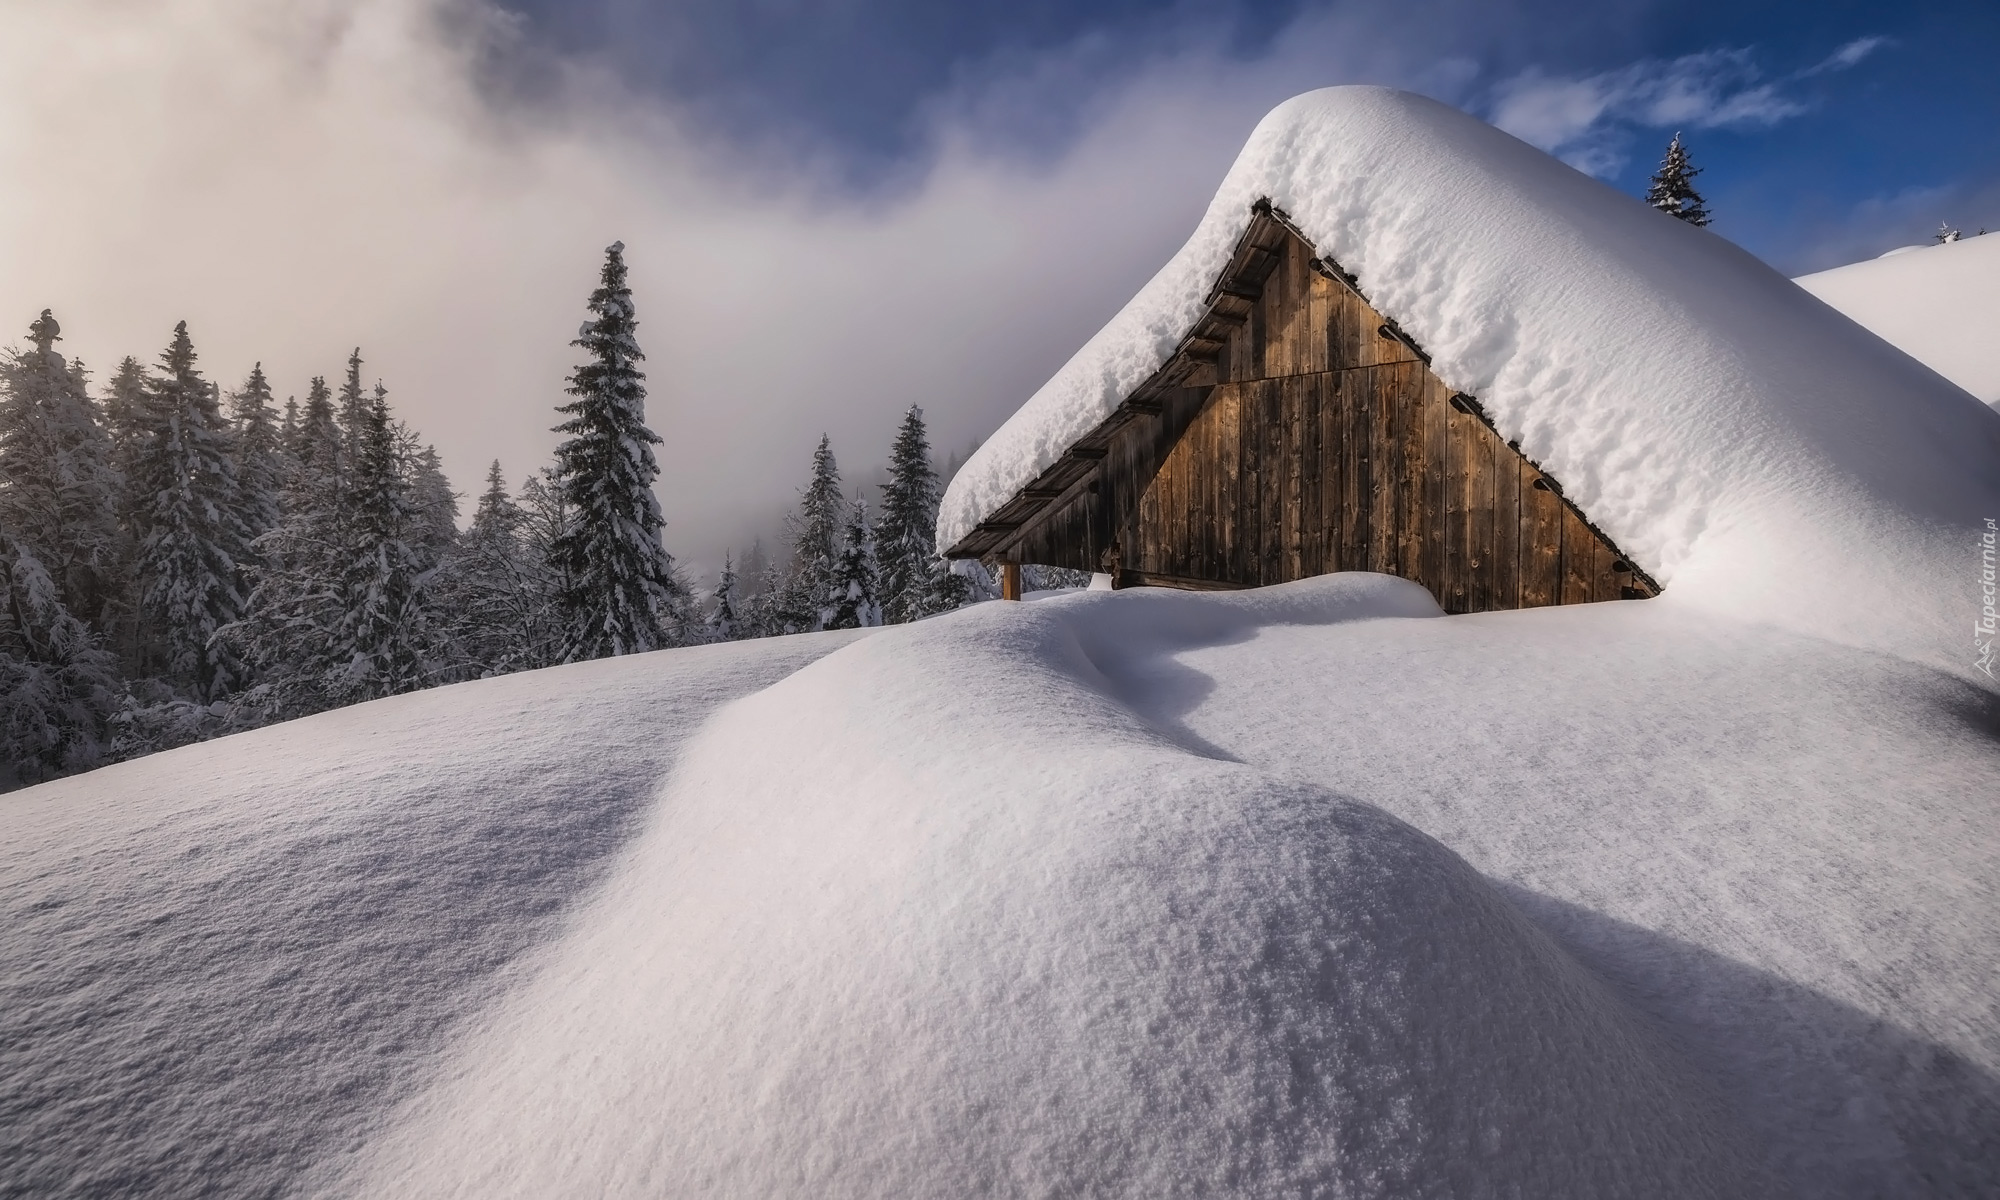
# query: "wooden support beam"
x,y
1010,581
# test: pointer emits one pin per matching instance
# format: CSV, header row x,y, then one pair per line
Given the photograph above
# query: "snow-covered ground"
x,y
1307,890
1938,304
218,963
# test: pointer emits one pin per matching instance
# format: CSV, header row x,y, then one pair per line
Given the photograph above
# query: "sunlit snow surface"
x,y
1938,304
1291,892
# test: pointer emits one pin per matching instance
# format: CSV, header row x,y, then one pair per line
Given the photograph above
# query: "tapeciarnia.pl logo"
x,y
1983,630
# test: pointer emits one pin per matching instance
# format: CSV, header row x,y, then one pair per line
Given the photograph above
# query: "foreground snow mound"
x,y
1757,452
1016,940
1938,304
220,963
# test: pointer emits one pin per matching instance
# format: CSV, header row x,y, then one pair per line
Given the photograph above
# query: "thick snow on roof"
x,y
1750,447
1938,304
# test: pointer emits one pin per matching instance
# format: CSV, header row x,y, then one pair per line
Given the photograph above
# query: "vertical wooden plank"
x,y
1010,581
1541,559
1579,550
1506,573
1356,393
1410,477
1271,444
1431,501
1481,463
1332,471
1385,455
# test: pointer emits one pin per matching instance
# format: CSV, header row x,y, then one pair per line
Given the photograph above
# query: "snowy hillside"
x,y
1938,304
1733,435
1305,890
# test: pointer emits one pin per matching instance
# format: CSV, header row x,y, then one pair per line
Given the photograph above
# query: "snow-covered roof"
x,y
1753,449
1938,304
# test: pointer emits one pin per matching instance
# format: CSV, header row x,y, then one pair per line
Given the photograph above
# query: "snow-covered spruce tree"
x,y
620,594
808,595
315,446
1672,191
59,489
856,584
351,413
433,505
385,644
495,589
912,574
190,531
1945,234
58,687
260,456
724,625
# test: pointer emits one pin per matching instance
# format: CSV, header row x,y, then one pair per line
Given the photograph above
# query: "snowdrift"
x,y
1014,940
1938,304
1306,890
1759,454
221,963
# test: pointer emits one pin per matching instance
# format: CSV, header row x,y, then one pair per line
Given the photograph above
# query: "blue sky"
x,y
1827,131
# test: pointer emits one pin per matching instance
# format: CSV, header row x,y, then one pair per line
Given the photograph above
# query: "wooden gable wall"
x,y
1297,432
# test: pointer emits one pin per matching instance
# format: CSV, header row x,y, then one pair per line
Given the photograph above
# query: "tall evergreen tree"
x,y
260,454
916,580
386,638
1672,191
433,505
58,688
854,603
351,413
316,447
191,537
621,595
816,529
495,588
724,624
59,489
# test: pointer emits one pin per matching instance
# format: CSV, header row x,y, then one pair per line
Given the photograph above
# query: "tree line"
x,y
178,563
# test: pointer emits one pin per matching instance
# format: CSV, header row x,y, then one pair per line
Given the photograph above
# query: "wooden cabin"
x,y
1297,431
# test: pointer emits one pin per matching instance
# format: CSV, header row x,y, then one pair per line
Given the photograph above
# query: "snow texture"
x,y
1300,891
1149,913
1745,444
1938,304
220,963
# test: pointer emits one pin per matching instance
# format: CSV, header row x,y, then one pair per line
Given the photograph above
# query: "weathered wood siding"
x,y
1308,435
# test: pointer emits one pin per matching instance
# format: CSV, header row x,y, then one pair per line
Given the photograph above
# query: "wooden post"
x,y
1010,581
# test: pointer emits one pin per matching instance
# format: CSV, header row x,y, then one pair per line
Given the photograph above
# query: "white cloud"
x,y
1581,119
1846,56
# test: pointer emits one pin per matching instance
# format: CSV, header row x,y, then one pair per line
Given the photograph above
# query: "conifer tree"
x,y
58,688
59,489
855,587
288,429
351,413
190,533
810,588
385,644
260,466
620,593
433,505
723,623
1672,190
907,535
316,446
495,589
